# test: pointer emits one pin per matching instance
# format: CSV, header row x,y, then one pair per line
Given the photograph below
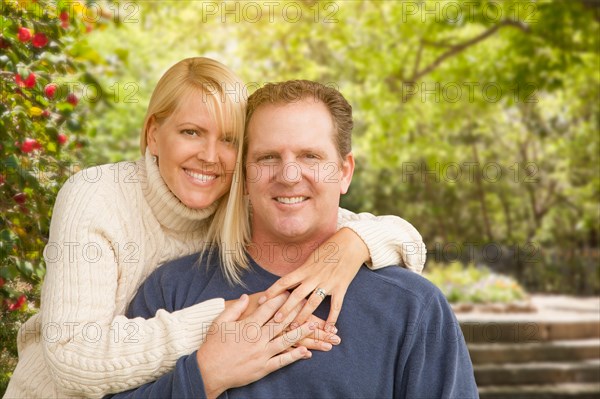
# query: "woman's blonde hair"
x,y
225,97
222,91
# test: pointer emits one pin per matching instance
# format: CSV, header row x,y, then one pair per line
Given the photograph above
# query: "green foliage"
x,y
42,123
9,328
45,83
476,121
472,284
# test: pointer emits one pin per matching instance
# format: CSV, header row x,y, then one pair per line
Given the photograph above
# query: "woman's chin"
x,y
198,203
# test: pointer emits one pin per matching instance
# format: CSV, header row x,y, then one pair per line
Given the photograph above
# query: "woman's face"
x,y
196,160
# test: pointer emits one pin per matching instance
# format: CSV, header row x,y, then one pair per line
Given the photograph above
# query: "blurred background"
x,y
477,121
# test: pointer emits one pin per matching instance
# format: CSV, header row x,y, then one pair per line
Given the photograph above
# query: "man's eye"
x,y
312,156
189,132
264,158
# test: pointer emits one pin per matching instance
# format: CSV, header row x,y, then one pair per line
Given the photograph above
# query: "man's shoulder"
x,y
398,282
186,266
179,265
180,279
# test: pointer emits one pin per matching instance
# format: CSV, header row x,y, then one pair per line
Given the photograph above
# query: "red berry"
x,y
72,99
20,198
39,40
24,35
2,180
18,304
62,138
45,113
64,19
50,90
29,145
29,82
3,43
2,282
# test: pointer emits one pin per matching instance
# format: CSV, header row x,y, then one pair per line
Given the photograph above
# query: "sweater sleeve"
x,y
89,349
183,382
391,240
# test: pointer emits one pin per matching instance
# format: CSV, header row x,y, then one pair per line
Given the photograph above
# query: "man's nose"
x,y
290,173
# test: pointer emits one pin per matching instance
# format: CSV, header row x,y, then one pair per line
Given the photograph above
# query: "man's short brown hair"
x,y
293,91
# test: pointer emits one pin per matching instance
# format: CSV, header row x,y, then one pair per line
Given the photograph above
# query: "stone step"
x,y
552,351
550,391
513,331
585,371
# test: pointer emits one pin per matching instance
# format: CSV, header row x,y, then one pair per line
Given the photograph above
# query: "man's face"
x,y
294,174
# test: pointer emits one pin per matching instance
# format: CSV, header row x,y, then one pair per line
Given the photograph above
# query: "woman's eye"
x,y
228,139
189,132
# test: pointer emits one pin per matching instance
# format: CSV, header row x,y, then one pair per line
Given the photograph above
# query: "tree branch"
x,y
455,49
444,44
418,58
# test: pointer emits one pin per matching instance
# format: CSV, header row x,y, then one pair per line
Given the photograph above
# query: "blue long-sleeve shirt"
x,y
400,338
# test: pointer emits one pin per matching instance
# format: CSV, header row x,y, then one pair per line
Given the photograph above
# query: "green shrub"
x,y
470,284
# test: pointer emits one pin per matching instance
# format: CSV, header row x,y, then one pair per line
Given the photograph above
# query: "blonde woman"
x,y
114,224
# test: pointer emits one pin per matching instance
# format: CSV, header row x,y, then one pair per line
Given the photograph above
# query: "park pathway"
x,y
552,352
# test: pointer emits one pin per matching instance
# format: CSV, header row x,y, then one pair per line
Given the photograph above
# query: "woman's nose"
x,y
208,151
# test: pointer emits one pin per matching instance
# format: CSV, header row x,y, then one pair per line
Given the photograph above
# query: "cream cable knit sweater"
x,y
112,226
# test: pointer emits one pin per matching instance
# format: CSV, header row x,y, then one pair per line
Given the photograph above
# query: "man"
x,y
400,338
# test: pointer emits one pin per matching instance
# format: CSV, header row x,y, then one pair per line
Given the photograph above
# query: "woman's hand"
x,y
237,353
319,339
331,268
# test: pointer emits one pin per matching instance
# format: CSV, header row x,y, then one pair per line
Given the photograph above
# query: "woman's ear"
x,y
151,134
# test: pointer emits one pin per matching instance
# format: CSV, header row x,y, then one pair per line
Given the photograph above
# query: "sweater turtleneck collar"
x,y
166,207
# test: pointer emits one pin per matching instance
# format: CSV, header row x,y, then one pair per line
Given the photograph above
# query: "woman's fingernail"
x,y
335,340
262,300
334,330
326,346
278,317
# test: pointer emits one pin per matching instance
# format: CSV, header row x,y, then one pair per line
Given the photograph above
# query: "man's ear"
x,y
151,136
347,172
